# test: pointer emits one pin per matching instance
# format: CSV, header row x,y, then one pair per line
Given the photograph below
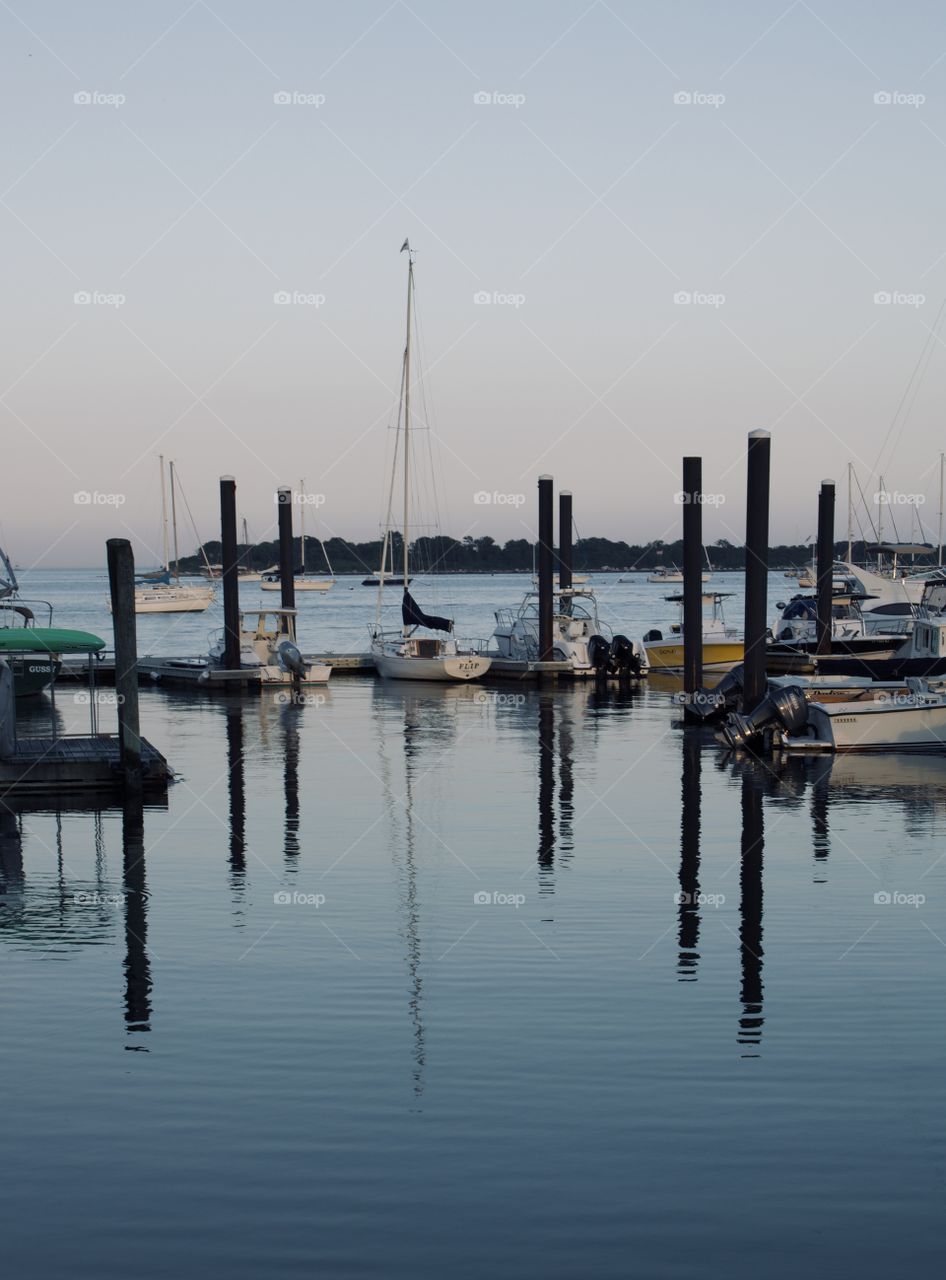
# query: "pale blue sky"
x,y
591,194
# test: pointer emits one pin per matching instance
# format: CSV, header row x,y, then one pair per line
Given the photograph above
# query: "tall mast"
x,y
302,524
939,536
164,513
880,525
850,511
174,519
407,413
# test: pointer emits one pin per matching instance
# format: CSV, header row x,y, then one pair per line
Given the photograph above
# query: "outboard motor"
x,y
623,657
787,707
290,659
653,637
599,654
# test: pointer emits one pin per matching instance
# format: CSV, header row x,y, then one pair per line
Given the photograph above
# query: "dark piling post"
x,y
825,564
565,554
545,556
692,574
287,582
757,569
231,584
121,581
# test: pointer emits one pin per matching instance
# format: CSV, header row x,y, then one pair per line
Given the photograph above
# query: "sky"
x,y
641,231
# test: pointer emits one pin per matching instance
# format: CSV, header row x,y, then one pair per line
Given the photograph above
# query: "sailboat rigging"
x,y
155,592
403,654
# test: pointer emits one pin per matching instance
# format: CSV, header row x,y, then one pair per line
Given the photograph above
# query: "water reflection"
x,y
236,790
137,964
688,897
750,904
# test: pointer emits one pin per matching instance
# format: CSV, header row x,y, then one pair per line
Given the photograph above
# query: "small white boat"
x,y
269,581
268,642
403,654
578,635
913,719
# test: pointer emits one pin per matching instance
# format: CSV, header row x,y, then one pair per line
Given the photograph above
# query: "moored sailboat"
x,y
404,654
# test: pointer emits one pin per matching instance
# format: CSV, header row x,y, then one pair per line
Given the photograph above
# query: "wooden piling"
x,y
825,565
544,566
231,583
287,581
757,569
121,581
565,553
692,574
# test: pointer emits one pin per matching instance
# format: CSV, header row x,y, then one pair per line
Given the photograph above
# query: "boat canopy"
x,y
901,549
48,640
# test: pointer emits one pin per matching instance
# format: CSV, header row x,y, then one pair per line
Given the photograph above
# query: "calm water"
x,y
400,984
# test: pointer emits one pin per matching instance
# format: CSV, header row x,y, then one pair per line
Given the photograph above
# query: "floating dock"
x,y
74,764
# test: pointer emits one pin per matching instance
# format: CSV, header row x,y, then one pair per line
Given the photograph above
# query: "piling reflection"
x,y
289,720
688,897
236,791
137,965
546,761
750,905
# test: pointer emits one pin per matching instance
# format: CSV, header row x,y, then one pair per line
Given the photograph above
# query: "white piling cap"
x,y
759,434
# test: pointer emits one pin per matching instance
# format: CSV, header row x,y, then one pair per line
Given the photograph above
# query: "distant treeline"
x,y
484,555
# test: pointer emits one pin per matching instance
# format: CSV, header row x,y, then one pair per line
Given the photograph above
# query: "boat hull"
x,y
173,600
33,673
300,585
717,655
903,724
445,669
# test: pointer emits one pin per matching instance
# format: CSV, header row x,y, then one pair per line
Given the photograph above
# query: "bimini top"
x,y
901,548
706,596
47,640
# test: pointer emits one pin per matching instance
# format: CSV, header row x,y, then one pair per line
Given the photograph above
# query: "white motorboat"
x,y
268,642
578,635
403,654
913,719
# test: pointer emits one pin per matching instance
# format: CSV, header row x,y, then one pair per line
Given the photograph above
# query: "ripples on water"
x,y
430,981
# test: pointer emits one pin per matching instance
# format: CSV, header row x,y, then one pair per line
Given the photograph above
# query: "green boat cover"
x,y
47,640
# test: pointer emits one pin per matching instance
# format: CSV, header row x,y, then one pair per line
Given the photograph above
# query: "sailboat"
x,y
270,581
404,654
156,593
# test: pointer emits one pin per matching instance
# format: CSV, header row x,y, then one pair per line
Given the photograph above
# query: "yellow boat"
x,y
723,647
